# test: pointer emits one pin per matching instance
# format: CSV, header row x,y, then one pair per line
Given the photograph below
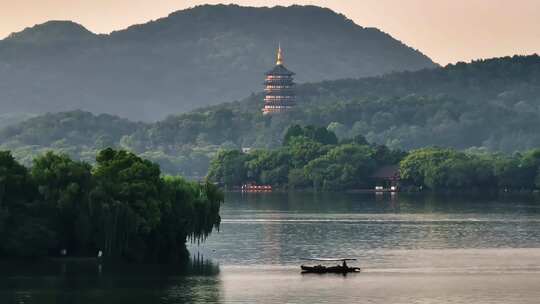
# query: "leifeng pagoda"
x,y
279,88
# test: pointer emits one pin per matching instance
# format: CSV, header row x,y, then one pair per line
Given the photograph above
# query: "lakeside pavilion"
x,y
279,88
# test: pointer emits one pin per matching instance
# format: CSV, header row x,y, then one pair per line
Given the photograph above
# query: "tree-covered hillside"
x,y
485,105
192,58
492,104
77,133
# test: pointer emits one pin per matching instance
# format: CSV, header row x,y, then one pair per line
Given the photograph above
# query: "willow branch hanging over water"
x,y
122,207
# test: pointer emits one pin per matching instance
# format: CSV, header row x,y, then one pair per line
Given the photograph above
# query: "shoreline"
x,y
369,191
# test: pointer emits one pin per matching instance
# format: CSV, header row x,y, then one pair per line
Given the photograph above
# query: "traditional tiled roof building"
x,y
279,88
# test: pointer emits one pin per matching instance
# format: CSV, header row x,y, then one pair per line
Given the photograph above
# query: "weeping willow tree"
x,y
191,212
122,207
144,216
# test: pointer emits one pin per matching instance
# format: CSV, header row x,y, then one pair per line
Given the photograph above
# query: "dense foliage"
x,y
122,206
490,105
446,169
76,128
192,58
310,158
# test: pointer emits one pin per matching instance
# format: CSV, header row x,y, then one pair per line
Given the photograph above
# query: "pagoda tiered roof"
x,y
279,70
289,103
287,81
280,92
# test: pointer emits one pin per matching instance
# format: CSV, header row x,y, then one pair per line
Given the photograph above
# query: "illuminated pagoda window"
x,y
279,88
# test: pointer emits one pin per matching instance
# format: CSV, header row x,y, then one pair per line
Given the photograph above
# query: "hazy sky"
x,y
445,30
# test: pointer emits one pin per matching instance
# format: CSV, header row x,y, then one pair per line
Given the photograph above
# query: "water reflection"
x,y
280,228
74,281
412,249
302,202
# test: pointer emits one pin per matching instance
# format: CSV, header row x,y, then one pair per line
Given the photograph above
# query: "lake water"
x,y
412,249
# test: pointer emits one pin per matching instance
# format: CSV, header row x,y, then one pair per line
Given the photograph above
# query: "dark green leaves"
x,y
122,207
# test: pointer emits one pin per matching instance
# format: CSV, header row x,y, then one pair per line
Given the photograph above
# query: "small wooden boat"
x,y
331,269
342,269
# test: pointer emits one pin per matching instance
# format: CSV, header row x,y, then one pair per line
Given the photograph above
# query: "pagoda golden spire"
x,y
279,56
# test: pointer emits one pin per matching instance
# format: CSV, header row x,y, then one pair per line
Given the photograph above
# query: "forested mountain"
x,y
192,58
492,104
485,105
73,128
77,133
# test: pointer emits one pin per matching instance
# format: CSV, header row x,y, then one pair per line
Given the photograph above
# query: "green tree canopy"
x,y
317,134
122,207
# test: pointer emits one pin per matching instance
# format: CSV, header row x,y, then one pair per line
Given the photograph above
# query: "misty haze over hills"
x,y
192,58
487,105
